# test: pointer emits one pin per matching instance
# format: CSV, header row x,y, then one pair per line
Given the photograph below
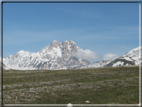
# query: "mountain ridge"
x,y
57,55
61,55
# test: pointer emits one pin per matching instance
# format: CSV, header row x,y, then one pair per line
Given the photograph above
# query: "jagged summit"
x,y
71,41
55,44
54,56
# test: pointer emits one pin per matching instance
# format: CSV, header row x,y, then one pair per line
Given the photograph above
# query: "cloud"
x,y
110,56
86,54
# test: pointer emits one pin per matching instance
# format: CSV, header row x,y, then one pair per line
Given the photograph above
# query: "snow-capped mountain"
x,y
133,57
57,55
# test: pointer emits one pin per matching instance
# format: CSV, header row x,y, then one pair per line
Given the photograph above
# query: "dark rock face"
x,y
68,50
54,44
125,62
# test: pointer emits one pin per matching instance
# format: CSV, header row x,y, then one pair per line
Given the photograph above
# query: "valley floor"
x,y
118,85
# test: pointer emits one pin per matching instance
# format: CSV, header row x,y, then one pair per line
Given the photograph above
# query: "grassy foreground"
x,y
98,85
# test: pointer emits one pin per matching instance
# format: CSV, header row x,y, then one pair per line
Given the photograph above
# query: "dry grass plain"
x,y
118,85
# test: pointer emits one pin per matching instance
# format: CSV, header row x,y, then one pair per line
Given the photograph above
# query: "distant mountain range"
x,y
133,57
59,55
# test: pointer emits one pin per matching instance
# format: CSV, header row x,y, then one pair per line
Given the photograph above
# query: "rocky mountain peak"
x,y
65,42
57,55
71,42
55,44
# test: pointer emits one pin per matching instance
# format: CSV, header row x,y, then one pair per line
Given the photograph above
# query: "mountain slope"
x,y
54,56
97,64
133,57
